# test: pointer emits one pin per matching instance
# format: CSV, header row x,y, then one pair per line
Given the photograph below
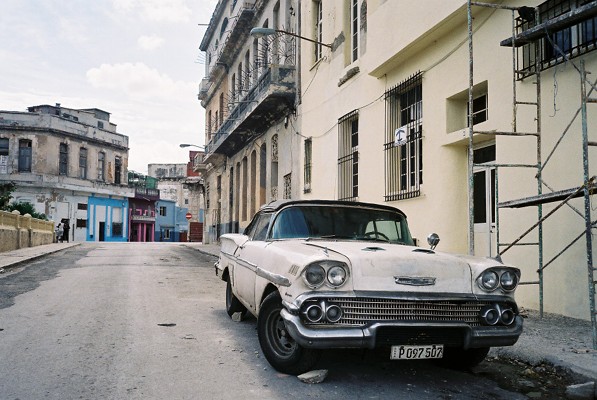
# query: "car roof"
x,y
277,205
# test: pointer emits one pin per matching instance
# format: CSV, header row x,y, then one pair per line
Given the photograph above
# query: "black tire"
x,y
233,305
457,358
279,348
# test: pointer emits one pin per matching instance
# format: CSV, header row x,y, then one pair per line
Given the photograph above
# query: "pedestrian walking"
x,y
59,232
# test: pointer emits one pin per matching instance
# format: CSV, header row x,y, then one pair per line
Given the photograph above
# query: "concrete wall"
x,y
20,231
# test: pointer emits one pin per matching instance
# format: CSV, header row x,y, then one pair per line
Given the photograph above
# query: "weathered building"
x,y
183,184
70,164
249,93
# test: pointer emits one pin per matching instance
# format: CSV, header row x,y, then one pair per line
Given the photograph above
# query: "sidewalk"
x,y
561,341
15,257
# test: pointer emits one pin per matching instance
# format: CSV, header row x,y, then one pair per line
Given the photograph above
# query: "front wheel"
x,y
279,348
233,305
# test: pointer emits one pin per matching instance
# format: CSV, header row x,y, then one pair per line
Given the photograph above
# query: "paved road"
x,y
147,321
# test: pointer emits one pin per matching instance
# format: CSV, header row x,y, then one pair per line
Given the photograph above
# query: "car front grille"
x,y
361,311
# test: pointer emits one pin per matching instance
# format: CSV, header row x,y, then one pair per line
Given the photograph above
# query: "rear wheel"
x,y
279,348
233,305
458,358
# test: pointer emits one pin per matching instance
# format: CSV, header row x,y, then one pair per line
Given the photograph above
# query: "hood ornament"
x,y
414,280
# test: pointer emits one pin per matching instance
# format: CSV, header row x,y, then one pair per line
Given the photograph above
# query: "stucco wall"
x,y
18,231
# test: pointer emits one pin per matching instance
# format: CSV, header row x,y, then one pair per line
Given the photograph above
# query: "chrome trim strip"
x,y
274,278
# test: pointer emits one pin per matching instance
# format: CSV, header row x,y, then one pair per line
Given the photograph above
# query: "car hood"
x,y
403,268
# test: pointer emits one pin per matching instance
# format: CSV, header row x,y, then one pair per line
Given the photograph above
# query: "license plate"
x,y
417,352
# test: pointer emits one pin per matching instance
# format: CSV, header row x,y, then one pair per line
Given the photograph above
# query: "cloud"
x,y
150,42
137,80
156,10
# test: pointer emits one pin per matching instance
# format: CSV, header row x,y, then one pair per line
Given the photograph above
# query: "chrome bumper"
x,y
366,337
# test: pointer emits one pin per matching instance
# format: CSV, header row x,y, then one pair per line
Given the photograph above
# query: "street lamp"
x,y
183,145
261,32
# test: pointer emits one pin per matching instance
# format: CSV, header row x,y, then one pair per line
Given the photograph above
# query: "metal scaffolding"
x,y
539,30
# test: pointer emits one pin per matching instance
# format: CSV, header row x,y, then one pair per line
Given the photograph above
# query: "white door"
x,y
484,201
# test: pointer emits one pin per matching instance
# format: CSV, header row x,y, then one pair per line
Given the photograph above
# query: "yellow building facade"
x,y
378,111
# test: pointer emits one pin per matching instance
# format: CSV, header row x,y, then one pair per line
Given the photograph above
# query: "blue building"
x,y
107,219
170,222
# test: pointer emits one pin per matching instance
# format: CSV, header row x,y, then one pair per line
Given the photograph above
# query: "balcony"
x,y
147,194
204,88
270,98
237,33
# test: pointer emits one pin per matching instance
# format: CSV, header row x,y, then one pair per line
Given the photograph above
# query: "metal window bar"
x,y
348,156
404,162
557,46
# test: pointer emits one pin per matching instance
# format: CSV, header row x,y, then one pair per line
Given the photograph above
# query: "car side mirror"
x,y
433,240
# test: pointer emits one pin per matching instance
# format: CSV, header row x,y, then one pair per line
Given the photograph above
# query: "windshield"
x,y
341,222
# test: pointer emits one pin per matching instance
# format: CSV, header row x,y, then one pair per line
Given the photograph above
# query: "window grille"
x,y
308,164
318,29
288,186
348,160
404,158
559,46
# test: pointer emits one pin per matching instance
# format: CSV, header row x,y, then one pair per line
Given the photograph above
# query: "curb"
x,y
36,256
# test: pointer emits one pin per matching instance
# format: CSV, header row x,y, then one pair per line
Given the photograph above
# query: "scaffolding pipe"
x,y
471,183
588,233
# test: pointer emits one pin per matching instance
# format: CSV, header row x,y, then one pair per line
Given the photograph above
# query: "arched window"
x,y
224,26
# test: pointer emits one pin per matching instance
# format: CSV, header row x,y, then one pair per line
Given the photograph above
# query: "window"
x,y
308,161
557,46
117,170
274,168
100,124
348,161
354,29
3,155
207,195
81,223
25,155
258,229
116,228
63,159
81,206
162,211
223,27
288,186
3,147
101,166
479,110
404,145
166,234
318,28
484,185
83,163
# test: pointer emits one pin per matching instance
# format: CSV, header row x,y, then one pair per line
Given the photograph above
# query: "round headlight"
x,y
509,280
336,275
314,275
489,280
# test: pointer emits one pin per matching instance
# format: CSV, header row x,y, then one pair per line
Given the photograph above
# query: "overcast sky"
x,y
139,60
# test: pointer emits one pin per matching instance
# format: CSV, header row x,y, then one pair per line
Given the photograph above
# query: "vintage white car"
x,y
332,274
